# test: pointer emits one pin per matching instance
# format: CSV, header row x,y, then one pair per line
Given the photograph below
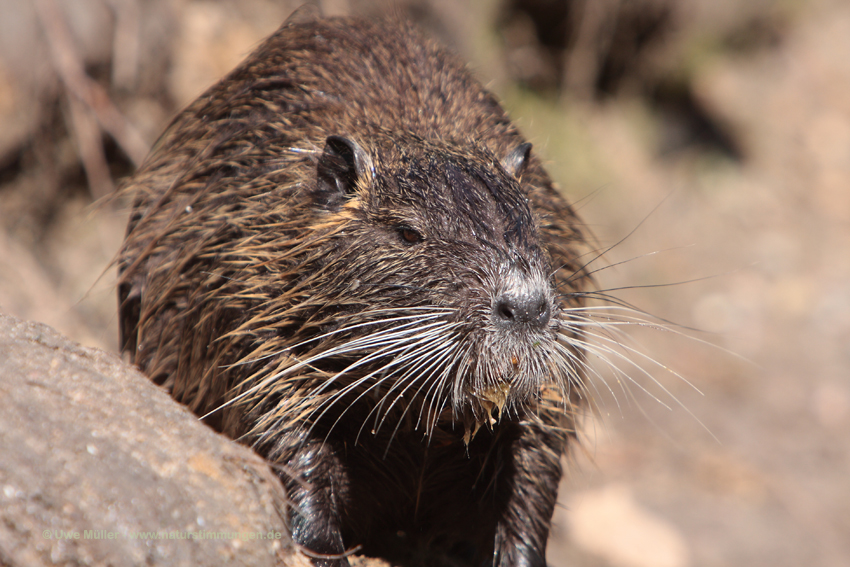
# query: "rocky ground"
x,y
707,146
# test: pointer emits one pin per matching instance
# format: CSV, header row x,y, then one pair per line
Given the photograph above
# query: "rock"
x,y
98,466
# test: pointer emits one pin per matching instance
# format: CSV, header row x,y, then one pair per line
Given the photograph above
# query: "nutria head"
x,y
409,277
411,272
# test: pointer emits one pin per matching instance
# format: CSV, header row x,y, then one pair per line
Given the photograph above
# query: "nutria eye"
x,y
409,235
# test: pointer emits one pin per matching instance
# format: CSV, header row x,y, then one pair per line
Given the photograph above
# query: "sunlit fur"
x,y
349,334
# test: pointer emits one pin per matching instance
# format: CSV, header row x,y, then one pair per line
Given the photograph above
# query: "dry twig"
x,y
93,98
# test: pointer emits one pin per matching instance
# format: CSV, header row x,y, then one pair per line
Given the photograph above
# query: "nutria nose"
x,y
531,309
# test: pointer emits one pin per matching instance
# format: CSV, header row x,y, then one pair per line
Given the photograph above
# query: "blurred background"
x,y
706,144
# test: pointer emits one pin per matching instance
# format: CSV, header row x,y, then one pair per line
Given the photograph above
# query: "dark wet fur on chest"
x,y
346,256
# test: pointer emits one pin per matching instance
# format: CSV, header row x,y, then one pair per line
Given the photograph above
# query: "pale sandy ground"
x,y
735,448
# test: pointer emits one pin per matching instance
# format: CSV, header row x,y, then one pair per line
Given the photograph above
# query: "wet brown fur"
x,y
241,271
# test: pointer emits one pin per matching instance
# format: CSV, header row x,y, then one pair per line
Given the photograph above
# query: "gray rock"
x,y
92,454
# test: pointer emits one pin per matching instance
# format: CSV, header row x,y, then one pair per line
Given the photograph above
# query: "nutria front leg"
x,y
313,481
535,472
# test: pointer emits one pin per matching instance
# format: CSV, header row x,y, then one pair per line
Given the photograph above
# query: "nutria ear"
x,y
515,162
341,164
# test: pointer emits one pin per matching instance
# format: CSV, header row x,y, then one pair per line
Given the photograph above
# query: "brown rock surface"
x,y
93,453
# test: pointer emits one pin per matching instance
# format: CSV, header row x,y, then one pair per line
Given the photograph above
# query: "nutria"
x,y
346,256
